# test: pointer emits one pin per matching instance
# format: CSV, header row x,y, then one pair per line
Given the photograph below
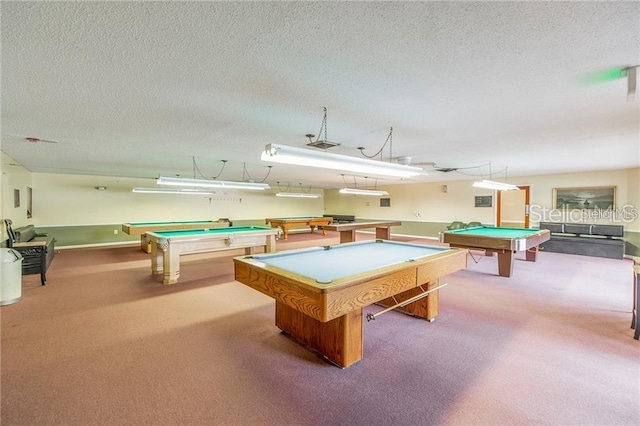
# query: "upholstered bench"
x,y
37,250
585,239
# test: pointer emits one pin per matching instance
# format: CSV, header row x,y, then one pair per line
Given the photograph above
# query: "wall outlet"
x,y
115,232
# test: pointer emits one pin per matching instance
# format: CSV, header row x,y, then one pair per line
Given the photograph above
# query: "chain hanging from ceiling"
x,y
388,141
321,143
245,172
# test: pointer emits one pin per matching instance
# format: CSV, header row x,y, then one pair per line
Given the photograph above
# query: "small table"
x,y
286,223
320,292
348,230
167,246
503,241
141,228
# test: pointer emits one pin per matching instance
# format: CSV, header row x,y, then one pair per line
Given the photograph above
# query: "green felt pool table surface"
x,y
327,264
501,241
497,232
179,222
185,233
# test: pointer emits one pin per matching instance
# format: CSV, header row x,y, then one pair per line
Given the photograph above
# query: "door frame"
x,y
527,206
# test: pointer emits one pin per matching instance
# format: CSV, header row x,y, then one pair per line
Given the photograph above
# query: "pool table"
x,y
348,230
503,241
167,246
141,228
286,223
320,293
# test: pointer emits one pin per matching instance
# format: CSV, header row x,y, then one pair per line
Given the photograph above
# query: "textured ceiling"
x,y
142,89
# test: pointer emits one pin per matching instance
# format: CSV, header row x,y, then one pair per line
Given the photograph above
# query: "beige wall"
x,y
427,202
14,177
60,200
117,204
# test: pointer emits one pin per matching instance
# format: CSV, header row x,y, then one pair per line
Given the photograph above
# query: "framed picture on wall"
x,y
483,200
16,198
594,197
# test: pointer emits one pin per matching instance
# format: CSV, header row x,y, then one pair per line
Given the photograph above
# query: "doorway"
x,y
512,208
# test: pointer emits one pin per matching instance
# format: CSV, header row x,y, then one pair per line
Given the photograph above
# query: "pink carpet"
x,y
104,343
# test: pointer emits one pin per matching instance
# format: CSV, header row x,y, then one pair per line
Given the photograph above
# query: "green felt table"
x,y
141,228
502,241
168,246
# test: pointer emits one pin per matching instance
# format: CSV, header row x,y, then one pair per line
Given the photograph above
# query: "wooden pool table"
x,y
348,230
141,228
503,241
320,293
167,246
286,223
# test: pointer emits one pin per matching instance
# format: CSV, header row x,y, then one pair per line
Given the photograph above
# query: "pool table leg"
x,y
156,259
505,263
383,233
426,308
338,340
531,255
347,236
170,265
145,244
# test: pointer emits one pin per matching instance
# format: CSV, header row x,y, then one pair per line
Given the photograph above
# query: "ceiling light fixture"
x,y
304,157
355,191
182,191
204,183
298,195
498,186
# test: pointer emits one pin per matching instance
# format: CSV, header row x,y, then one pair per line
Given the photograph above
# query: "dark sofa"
x,y
37,250
585,239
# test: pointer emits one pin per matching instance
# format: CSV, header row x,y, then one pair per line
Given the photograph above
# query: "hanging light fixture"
x,y
361,191
355,191
205,183
498,186
277,153
214,183
182,191
297,195
300,194
304,157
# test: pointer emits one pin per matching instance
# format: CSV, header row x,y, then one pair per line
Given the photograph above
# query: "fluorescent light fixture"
x,y
305,157
298,195
498,186
355,191
183,191
204,183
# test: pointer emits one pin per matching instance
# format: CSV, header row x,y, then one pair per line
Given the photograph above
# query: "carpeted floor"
x,y
105,343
